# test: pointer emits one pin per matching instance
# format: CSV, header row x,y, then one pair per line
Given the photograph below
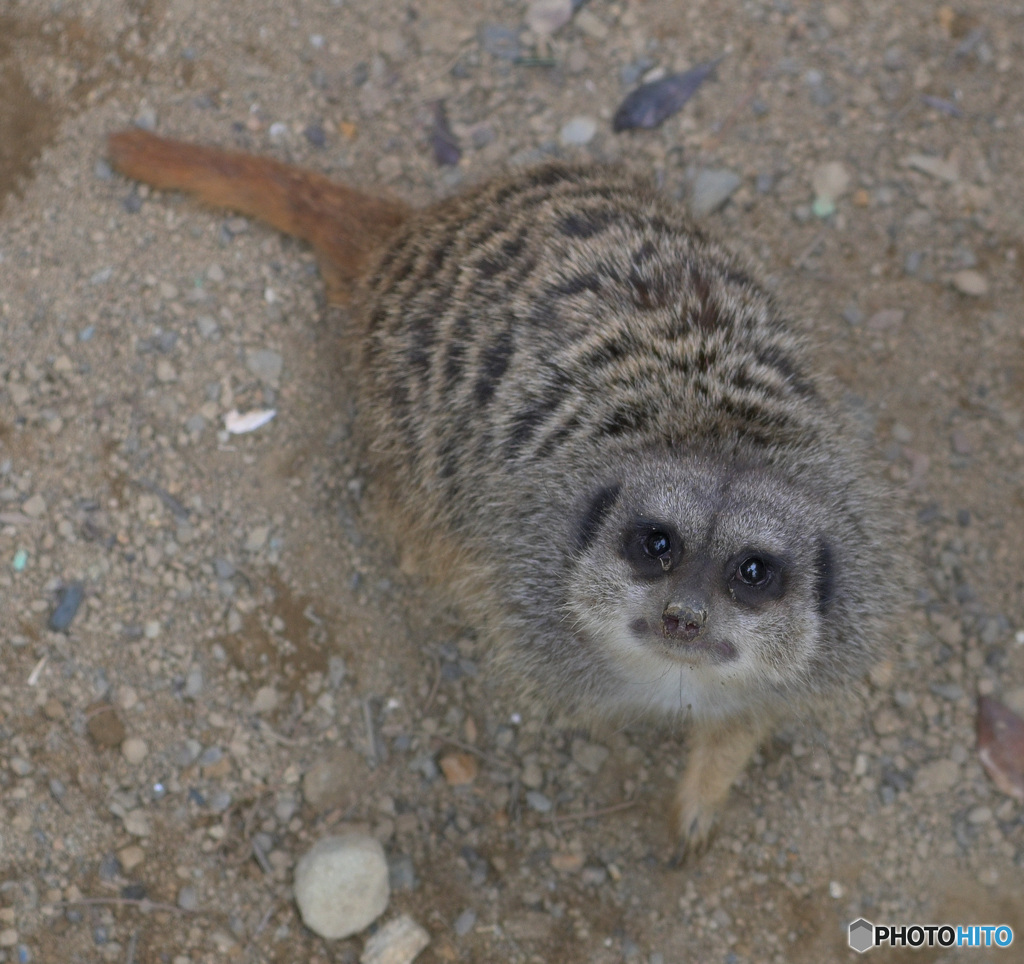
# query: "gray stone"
x,y
499,41
464,922
536,800
193,682
578,131
341,884
936,777
544,17
264,364
399,941
712,187
589,756
937,167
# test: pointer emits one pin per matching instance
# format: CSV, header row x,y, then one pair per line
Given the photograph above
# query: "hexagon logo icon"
x,y
862,934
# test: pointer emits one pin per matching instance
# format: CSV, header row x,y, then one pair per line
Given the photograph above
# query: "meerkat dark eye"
x,y
657,544
652,548
755,578
754,571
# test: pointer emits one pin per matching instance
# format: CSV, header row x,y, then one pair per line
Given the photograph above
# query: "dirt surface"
x,y
250,668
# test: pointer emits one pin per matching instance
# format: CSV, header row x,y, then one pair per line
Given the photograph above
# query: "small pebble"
x,y
823,207
257,538
146,119
578,131
331,781
971,283
19,561
712,187
591,25
830,181
536,800
265,700
399,941
188,899
34,506
341,884
193,682
459,769
936,777
136,822
266,365
544,17
165,371
315,134
567,862
219,801
134,750
886,318
589,756
936,167
464,922
402,873
852,315
131,857
103,725
499,41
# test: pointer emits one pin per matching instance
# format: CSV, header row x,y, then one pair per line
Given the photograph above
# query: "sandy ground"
x,y
250,669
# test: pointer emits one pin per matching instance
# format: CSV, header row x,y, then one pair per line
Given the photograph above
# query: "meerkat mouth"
x,y
700,648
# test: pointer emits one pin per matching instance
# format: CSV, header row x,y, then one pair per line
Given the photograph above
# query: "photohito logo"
x,y
864,935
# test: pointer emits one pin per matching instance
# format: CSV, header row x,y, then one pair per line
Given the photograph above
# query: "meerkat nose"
x,y
683,622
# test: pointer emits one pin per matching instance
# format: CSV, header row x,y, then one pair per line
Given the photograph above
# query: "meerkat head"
x,y
704,582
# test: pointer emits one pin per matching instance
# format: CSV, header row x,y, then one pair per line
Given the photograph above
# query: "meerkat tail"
x,y
343,225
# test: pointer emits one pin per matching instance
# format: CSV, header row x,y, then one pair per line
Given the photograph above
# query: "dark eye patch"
x,y
825,584
589,524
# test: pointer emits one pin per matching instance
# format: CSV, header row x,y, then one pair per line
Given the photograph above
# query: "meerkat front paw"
x,y
717,757
693,825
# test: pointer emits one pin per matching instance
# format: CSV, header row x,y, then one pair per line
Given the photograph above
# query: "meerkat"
x,y
655,512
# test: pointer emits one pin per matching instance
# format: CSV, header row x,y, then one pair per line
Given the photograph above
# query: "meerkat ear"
x,y
600,504
825,581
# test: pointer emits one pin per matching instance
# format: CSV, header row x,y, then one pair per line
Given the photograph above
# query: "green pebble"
x,y
20,560
823,207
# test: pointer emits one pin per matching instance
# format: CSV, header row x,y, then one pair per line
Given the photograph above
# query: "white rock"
x,y
265,700
970,283
589,756
936,167
137,823
397,942
257,538
830,181
341,884
937,777
579,130
34,506
544,17
165,371
134,750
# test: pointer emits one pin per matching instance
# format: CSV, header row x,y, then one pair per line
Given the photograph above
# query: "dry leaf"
x,y
1001,746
